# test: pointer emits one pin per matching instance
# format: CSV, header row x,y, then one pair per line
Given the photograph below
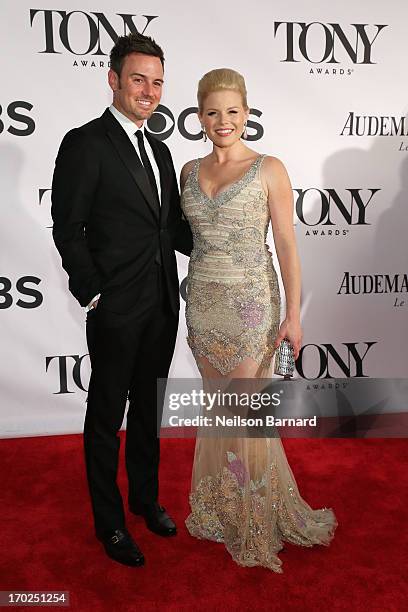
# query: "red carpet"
x,y
47,540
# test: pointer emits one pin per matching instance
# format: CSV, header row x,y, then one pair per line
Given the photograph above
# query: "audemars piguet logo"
x,y
325,211
377,125
332,44
395,285
82,33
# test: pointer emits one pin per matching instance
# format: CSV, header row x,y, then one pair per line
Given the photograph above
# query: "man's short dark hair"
x,y
133,43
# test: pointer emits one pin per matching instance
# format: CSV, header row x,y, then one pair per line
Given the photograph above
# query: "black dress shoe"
x,y
120,546
156,518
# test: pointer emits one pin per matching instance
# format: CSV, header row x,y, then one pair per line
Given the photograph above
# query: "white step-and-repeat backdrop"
x,y
327,89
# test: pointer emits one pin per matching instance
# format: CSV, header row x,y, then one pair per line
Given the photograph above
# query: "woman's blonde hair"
x,y
218,80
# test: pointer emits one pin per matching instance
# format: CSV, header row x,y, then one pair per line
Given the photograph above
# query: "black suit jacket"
x,y
107,227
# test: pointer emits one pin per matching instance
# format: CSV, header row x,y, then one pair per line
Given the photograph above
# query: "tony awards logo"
x,y
325,212
81,33
329,361
338,47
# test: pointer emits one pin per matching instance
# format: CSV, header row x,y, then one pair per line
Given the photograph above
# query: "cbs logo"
x,y
23,288
14,114
162,124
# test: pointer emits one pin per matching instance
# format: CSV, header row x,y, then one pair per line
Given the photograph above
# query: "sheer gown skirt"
x,y
243,491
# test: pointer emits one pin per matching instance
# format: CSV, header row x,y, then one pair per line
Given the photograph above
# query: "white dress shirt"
x,y
131,129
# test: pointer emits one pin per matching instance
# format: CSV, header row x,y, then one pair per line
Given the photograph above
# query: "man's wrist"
x,y
93,303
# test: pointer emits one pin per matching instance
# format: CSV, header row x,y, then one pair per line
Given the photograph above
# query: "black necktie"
x,y
147,166
150,175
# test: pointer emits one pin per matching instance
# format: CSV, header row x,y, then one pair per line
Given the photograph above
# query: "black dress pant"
x,y
128,353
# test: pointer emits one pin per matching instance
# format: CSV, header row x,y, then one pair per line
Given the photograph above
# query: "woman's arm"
x,y
280,200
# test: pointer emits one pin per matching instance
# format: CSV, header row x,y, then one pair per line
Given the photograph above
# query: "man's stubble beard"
x,y
145,117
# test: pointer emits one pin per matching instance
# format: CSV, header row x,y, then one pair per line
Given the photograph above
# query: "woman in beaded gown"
x,y
243,491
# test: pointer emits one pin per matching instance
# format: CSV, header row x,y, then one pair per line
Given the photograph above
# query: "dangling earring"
x,y
204,133
245,132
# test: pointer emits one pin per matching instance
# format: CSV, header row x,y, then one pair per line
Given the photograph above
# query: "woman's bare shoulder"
x,y
274,171
273,164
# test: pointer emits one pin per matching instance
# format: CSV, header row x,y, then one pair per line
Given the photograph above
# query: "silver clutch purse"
x,y
285,359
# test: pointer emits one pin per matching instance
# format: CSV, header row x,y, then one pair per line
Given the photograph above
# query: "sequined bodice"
x,y
230,229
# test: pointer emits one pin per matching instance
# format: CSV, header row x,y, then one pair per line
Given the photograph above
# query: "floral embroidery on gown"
x,y
243,491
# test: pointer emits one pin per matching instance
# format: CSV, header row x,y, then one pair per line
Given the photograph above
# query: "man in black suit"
x,y
117,221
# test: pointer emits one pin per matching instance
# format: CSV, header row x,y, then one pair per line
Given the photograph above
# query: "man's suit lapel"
x,y
165,177
129,157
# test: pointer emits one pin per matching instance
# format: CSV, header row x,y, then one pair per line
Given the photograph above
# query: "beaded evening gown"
x,y
243,491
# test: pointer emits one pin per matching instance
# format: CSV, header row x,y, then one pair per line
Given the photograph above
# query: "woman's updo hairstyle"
x,y
218,80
